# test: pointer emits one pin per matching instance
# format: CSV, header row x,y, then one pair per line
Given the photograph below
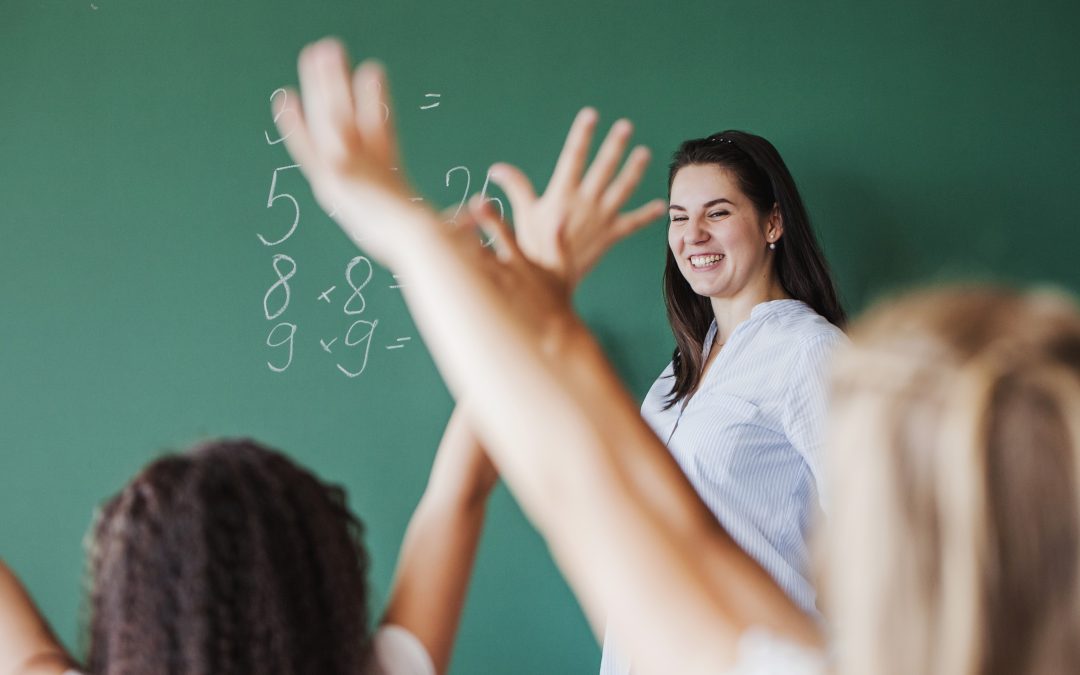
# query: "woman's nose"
x,y
694,233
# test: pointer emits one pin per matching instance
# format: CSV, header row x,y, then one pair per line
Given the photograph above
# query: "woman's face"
x,y
718,237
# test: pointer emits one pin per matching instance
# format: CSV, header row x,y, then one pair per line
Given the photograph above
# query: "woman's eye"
x,y
676,219
718,214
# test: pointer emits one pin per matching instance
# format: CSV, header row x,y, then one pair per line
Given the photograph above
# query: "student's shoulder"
x,y
396,651
760,652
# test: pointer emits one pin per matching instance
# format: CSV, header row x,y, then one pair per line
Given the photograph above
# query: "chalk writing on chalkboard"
x,y
464,170
363,340
283,110
282,283
350,350
290,329
464,191
357,288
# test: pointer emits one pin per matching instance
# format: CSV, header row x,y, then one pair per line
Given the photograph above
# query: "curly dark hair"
x,y
228,559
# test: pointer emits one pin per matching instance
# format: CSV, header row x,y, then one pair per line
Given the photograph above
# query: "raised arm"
x,y
556,420
27,645
569,227
439,549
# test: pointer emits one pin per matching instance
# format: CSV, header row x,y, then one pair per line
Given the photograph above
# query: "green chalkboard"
x,y
930,139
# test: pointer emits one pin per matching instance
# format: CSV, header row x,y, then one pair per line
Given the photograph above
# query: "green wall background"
x,y
931,140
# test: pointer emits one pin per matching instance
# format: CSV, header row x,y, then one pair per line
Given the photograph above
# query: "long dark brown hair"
x,y
800,266
229,559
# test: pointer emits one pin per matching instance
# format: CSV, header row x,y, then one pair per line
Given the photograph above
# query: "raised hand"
x,y
578,217
344,142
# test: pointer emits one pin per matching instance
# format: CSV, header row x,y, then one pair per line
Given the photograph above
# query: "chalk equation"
x,y
349,351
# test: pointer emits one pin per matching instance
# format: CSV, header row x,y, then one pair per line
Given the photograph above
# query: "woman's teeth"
x,y
705,260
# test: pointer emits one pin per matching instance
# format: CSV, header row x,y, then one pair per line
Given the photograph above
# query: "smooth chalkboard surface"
x,y
141,185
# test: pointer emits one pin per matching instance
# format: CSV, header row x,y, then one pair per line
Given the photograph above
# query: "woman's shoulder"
x,y
799,326
656,398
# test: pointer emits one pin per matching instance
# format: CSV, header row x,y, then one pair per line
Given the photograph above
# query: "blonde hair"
x,y
953,536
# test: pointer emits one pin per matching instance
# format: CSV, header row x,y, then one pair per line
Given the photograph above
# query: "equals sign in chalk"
x,y
399,345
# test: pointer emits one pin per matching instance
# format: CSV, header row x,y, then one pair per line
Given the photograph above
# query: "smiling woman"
x,y
755,315
754,216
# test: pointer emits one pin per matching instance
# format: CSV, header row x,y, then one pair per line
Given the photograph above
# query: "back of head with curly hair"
x,y
227,559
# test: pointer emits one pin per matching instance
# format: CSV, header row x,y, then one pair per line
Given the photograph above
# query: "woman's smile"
x,y
703,262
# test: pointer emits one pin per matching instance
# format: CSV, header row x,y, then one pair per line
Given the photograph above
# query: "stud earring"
x,y
772,245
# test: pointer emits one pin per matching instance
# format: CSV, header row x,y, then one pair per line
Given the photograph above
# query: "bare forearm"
x,y
433,572
461,476
439,547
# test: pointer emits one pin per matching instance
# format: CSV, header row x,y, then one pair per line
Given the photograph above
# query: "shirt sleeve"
x,y
805,405
762,653
396,651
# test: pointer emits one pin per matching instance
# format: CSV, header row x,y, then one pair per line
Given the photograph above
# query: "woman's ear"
x,y
774,226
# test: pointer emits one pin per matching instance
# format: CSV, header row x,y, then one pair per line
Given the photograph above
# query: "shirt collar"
x,y
760,311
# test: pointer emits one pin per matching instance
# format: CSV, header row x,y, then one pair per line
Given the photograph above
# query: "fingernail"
x,y
375,67
333,52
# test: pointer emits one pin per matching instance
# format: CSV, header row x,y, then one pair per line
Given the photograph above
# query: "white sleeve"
x,y
806,404
762,653
396,651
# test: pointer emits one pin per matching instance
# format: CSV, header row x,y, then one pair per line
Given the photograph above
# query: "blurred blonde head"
x,y
954,524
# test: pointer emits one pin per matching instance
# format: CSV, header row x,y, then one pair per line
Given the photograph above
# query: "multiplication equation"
x,y
349,351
